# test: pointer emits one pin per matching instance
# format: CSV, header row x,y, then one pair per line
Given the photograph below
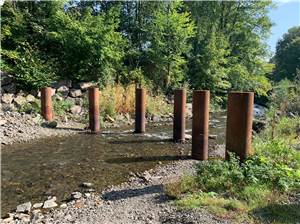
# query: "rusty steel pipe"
x,y
239,124
179,115
46,103
94,110
200,124
140,110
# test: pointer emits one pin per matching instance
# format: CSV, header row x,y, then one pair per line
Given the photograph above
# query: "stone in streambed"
x,y
37,205
50,203
24,207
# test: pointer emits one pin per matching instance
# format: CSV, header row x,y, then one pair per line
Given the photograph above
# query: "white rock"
x,y
50,203
24,207
37,205
7,98
3,122
64,205
86,85
188,137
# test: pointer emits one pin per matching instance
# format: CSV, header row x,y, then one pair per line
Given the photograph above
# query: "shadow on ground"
x,y
278,213
129,193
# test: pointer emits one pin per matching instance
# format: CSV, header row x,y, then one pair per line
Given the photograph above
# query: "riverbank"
x,y
20,127
139,200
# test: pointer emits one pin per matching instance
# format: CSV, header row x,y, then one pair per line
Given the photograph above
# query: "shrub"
x,y
61,107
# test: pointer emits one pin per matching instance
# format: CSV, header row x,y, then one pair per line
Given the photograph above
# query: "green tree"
x,y
169,34
287,56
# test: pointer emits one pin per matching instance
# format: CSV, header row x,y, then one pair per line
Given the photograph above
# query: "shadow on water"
x,y
147,159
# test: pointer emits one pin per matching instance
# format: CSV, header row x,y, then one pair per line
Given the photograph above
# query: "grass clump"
x,y
253,190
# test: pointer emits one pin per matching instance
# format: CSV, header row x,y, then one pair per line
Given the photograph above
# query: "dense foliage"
x,y
209,45
287,57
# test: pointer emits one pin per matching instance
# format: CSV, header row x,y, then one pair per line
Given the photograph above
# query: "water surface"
x,y
58,165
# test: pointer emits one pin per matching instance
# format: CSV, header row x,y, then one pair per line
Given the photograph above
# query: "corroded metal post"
x,y
239,124
179,115
46,103
200,124
140,110
94,110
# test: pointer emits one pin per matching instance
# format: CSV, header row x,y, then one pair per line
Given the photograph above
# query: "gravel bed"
x,y
140,200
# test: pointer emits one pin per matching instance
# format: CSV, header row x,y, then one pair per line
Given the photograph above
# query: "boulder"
x,y
24,207
188,137
75,109
258,125
75,93
10,88
19,101
63,90
8,107
86,85
49,124
7,98
30,98
79,101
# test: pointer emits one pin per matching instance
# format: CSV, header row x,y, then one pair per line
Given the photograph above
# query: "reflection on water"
x,y
58,165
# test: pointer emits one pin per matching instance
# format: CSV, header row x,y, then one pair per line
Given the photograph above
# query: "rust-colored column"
x,y
239,123
179,115
140,110
200,124
46,103
94,110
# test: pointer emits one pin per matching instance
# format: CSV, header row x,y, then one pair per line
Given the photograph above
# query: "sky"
x,y
285,16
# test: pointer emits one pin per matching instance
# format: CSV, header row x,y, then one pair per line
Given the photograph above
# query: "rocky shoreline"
x,y
139,200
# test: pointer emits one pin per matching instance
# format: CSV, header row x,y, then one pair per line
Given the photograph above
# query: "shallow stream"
x,y
57,166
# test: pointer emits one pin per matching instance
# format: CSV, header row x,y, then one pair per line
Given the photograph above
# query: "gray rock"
x,y
75,109
75,93
50,203
63,90
37,205
76,195
86,85
24,207
19,101
8,107
7,98
10,88
30,98
5,78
